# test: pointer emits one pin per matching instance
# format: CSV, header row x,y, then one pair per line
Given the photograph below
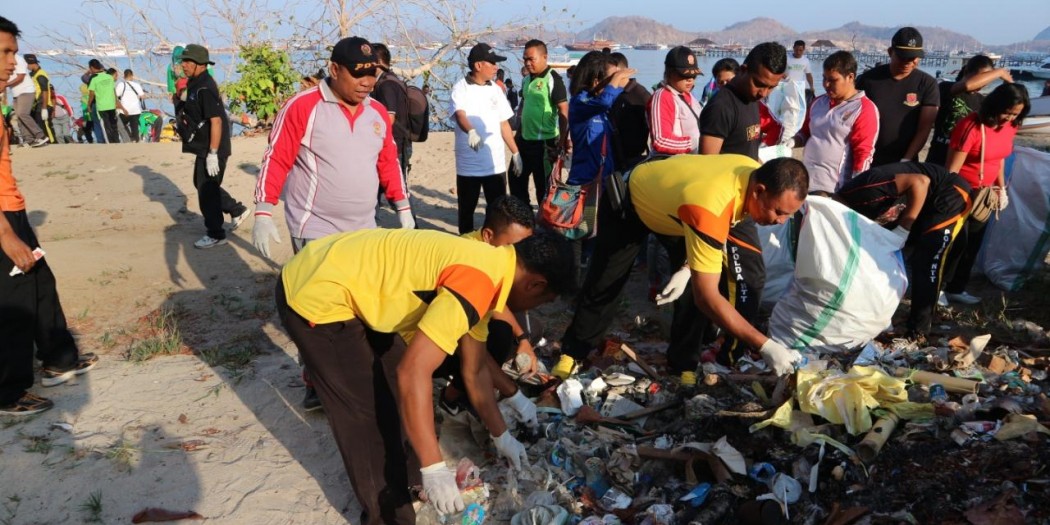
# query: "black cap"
x,y
907,43
198,54
683,60
484,53
355,53
31,58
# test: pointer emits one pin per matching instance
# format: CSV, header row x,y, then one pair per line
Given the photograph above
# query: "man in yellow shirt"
x,y
344,298
696,204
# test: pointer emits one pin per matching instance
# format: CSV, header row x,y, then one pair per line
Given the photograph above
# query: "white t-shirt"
x,y
797,69
486,108
26,85
130,93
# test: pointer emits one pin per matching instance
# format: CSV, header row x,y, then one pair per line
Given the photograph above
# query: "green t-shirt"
x,y
105,89
539,107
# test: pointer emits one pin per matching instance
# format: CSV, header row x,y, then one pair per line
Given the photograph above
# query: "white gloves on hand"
x,y
779,358
439,484
474,140
902,235
1004,201
675,287
515,163
510,448
264,229
44,114
407,221
523,409
789,143
212,162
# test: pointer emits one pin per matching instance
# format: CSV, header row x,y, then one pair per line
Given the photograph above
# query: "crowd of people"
x,y
377,313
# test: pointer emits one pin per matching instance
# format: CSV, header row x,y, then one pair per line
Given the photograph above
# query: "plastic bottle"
x,y
473,514
937,394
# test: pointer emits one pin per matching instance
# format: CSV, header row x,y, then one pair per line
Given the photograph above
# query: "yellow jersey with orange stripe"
x,y
699,197
399,281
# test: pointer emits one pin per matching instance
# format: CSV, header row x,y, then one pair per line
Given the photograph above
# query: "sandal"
x,y
28,405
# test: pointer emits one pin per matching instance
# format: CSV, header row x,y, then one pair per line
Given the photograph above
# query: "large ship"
x,y
104,50
650,47
595,44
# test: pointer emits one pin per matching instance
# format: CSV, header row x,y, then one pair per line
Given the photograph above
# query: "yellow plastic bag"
x,y
846,398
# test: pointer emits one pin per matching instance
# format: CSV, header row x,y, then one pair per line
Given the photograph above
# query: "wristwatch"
x,y
523,337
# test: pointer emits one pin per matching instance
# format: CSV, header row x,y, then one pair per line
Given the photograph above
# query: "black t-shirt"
x,y
630,126
392,93
899,103
953,108
874,194
734,120
203,103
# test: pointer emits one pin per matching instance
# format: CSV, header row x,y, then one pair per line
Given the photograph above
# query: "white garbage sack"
x,y
1016,244
849,279
779,259
787,105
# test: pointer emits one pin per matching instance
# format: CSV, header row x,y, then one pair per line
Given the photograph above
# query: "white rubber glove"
x,y
523,409
44,114
1004,201
474,140
212,162
264,229
675,287
511,448
789,142
515,163
407,221
779,358
902,235
439,484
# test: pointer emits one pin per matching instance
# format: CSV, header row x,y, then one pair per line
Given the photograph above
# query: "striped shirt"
x,y
332,162
841,140
674,122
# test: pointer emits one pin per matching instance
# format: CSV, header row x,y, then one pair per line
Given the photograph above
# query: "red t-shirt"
x,y
998,144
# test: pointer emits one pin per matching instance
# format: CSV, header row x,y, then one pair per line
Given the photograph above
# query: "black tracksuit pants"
x,y
535,165
620,239
212,199
30,313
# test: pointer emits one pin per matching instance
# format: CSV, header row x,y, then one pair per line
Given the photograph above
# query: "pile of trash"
x,y
849,438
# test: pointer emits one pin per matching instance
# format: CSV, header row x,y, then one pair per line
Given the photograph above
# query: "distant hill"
x,y
635,30
638,29
1043,35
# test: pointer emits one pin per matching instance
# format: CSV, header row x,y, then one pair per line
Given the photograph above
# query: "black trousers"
x,y
930,243
109,125
468,189
30,313
536,165
620,239
131,124
501,345
212,199
354,370
963,254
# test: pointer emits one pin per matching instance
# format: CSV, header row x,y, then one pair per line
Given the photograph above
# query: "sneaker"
x,y
49,377
28,405
963,298
207,242
311,402
38,143
238,219
942,300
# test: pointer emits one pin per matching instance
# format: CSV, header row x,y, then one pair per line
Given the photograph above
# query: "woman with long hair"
x,y
977,151
960,98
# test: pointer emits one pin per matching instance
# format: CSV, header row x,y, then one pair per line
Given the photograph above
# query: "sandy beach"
x,y
217,428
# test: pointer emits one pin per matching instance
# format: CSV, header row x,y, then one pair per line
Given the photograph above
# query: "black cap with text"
x,y
907,43
484,53
354,53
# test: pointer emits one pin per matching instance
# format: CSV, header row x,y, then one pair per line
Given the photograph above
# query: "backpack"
x,y
418,114
418,122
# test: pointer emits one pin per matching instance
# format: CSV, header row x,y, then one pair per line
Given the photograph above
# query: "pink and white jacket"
x,y
841,140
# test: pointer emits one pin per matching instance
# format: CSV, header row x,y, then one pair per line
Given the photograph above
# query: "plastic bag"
x,y
779,257
849,279
1016,244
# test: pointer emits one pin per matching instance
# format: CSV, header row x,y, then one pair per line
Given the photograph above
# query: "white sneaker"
x,y
207,242
40,142
942,300
237,220
963,298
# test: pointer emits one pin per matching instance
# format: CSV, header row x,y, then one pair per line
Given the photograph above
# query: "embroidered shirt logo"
x,y
911,100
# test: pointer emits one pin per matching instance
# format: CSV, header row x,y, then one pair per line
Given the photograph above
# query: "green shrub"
x,y
266,79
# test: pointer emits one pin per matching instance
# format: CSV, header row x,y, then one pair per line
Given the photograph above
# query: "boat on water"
x,y
517,43
650,47
104,50
564,62
49,52
1040,72
1038,120
595,44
